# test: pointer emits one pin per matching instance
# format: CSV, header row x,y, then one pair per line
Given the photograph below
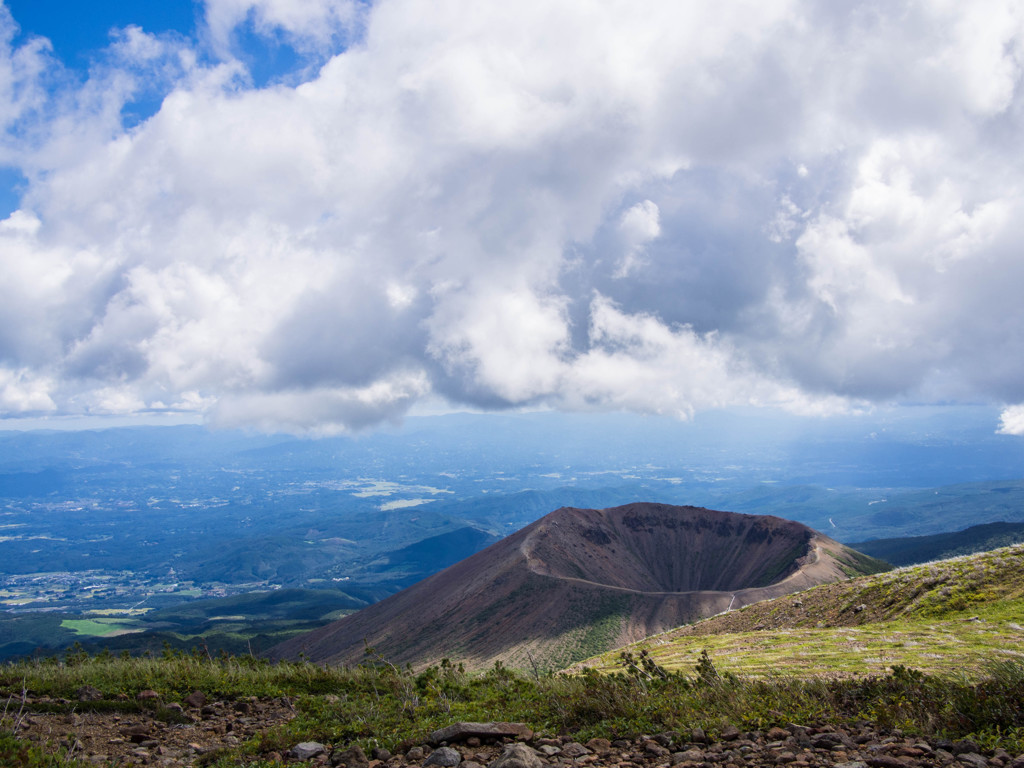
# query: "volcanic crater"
x,y
660,550
582,581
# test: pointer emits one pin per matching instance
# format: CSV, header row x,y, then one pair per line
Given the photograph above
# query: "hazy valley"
x,y
103,534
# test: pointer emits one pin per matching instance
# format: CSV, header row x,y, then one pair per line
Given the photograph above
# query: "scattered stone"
x,y
353,757
973,760
965,746
654,748
826,740
801,733
141,739
196,700
885,761
446,757
485,731
689,756
517,756
89,693
730,733
574,749
307,750
137,734
415,755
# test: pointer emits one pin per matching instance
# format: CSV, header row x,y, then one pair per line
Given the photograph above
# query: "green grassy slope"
x,y
950,616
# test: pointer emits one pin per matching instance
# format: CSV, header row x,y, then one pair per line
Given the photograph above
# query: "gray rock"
x,y
973,760
574,749
517,756
885,761
89,693
965,746
446,757
549,749
689,756
353,757
654,748
730,733
851,764
137,734
826,740
464,730
307,750
415,755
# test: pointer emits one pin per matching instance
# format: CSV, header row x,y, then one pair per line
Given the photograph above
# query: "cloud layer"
x,y
662,207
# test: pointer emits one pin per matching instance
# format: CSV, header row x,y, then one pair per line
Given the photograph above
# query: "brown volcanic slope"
x,y
581,581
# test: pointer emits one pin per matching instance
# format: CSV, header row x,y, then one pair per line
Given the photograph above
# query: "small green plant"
x,y
641,666
707,673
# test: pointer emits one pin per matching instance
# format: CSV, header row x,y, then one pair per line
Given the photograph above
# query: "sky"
x,y
319,216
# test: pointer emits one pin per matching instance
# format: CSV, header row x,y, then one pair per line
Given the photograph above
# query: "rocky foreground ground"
x,y
205,730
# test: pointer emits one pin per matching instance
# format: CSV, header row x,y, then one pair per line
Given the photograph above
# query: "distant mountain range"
x,y
581,581
912,550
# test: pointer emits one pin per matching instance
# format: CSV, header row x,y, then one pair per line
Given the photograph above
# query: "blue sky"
x,y
78,33
320,216
78,30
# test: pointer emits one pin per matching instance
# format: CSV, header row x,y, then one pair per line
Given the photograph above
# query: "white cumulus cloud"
x,y
1011,420
667,208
